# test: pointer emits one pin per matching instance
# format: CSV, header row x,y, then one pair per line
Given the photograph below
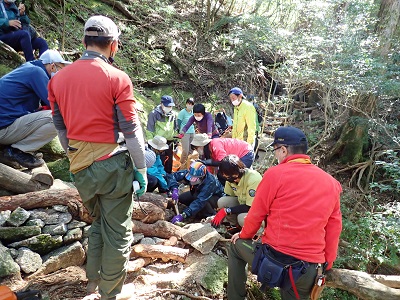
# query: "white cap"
x,y
106,27
52,56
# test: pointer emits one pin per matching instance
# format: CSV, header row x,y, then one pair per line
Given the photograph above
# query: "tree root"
x,y
177,292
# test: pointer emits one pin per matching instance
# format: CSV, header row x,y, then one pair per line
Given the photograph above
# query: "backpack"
x,y
221,122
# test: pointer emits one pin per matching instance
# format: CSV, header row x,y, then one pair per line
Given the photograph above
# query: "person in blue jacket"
x,y
156,172
26,123
205,190
15,30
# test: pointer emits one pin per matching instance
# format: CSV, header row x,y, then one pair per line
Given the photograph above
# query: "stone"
x,y
76,224
137,237
4,215
71,255
50,216
35,222
201,236
28,260
42,243
72,235
7,264
86,231
56,229
60,208
13,234
18,217
147,241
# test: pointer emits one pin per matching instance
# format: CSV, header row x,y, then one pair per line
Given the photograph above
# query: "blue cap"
x,y
289,136
236,91
167,100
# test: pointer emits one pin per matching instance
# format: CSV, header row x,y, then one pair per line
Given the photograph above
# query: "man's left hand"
x,y
235,237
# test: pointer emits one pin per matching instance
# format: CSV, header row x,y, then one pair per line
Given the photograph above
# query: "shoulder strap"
x,y
3,9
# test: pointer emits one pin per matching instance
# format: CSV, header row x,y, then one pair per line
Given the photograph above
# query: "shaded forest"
x,y
330,68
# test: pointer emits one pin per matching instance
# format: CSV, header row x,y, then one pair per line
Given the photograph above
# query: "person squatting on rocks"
x,y
240,188
301,203
183,116
26,124
16,31
162,121
91,102
205,190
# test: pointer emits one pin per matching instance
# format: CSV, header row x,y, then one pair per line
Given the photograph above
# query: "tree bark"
x,y
147,212
361,285
389,16
166,253
69,197
161,229
156,199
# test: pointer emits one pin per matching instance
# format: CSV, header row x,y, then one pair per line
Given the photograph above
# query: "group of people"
x,y
294,206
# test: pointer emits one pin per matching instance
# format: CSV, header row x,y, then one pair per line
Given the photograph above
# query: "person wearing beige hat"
x,y
156,173
92,102
212,151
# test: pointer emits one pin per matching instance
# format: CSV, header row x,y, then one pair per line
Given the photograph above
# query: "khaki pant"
x,y
30,132
241,254
230,201
106,191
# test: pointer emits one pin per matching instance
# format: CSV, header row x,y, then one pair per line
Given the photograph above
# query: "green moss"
x,y
4,70
60,169
216,277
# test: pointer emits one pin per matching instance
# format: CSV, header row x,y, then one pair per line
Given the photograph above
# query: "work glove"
x,y
181,135
175,195
141,177
177,218
221,214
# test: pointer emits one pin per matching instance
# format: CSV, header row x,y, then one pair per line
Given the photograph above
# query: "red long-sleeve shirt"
x,y
300,204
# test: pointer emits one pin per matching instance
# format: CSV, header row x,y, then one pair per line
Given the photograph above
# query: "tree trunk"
x,y
19,182
161,229
69,197
166,253
147,212
389,16
361,285
156,199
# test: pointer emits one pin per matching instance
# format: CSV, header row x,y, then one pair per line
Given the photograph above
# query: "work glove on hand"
x,y
177,218
181,135
175,195
221,214
141,177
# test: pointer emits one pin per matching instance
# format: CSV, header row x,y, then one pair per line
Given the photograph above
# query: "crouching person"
x,y
205,190
240,188
302,205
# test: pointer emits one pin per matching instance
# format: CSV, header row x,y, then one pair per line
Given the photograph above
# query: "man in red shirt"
x,y
91,103
301,204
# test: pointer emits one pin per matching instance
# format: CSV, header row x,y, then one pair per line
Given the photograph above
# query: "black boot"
x,y
14,157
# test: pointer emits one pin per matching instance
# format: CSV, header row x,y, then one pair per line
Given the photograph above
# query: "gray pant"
x,y
185,142
30,132
241,254
106,191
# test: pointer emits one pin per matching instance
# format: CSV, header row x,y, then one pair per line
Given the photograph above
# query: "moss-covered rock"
x,y
42,244
60,169
12,234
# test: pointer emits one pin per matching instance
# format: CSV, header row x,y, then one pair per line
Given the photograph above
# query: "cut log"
x,y
42,175
137,264
19,182
361,285
156,199
166,253
147,212
69,197
161,229
392,281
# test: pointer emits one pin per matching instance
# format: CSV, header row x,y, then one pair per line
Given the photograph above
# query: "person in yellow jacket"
x,y
240,188
244,117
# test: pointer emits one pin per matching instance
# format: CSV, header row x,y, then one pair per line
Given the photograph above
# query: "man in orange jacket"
x,y
301,203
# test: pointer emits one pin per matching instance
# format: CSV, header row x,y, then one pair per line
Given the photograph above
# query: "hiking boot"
x,y
11,156
92,286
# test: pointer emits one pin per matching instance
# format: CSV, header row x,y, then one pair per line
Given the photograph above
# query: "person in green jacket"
x,y
162,121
